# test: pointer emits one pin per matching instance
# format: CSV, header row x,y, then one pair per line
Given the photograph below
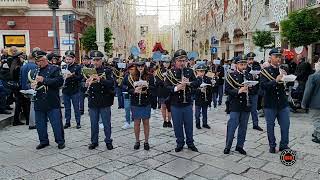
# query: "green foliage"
x,y
54,4
263,38
89,38
301,28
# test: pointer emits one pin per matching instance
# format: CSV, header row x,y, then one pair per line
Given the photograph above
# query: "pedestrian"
x,y
100,99
47,80
180,81
238,106
131,69
311,100
71,89
140,86
275,101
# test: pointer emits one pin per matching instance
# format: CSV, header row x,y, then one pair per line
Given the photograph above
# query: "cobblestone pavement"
x,y
20,160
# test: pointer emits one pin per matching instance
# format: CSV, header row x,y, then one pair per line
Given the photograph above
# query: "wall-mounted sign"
x,y
14,40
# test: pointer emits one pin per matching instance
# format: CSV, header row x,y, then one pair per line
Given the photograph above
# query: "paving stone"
x,y
113,176
234,176
45,174
12,172
111,166
45,162
132,170
130,159
210,172
92,161
307,175
116,153
280,169
89,174
150,163
222,163
147,154
80,152
194,177
154,175
165,157
179,167
69,168
260,175
253,162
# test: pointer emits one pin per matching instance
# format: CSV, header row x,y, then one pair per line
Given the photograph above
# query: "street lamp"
x,y
54,5
191,34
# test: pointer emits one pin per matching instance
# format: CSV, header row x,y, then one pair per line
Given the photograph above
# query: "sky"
x,y
167,14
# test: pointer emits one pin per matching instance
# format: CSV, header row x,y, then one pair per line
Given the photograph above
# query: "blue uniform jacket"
x,y
274,93
24,82
72,84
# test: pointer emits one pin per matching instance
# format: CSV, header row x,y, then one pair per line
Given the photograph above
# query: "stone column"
x,y
100,14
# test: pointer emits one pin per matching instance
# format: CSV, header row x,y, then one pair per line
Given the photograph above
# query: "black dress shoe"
x,y
165,124
206,126
92,146
61,146
82,112
169,124
5,112
146,146
272,150
66,126
193,148
226,151
283,148
241,150
32,127
316,140
109,146
257,128
178,148
78,126
18,123
313,135
41,146
198,126
136,146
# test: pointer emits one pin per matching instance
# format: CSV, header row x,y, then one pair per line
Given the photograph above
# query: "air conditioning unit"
x,y
11,24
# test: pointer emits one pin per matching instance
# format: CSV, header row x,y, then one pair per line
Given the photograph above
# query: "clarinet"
x,y
247,93
64,79
184,90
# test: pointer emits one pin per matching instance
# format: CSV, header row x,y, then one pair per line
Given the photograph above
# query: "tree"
x,y
89,38
264,40
302,28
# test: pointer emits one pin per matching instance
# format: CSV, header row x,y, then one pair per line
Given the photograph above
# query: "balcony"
x,y
14,5
85,7
300,4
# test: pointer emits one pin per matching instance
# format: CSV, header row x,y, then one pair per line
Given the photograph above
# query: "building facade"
x,y
28,24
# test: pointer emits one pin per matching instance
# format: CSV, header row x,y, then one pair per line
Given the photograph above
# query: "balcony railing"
x,y
14,4
300,4
85,7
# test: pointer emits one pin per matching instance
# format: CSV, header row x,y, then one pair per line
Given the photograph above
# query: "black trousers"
x,y
22,106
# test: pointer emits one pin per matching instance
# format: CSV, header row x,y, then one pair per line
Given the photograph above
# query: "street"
x,y
20,160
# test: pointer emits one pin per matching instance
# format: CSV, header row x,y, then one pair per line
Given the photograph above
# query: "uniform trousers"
x,y
81,101
120,97
67,99
204,111
220,93
105,114
282,116
182,118
54,116
237,120
127,108
254,105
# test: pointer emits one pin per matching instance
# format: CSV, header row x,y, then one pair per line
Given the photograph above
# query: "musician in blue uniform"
x,y
275,101
180,81
71,88
100,99
238,105
47,81
203,96
141,101
162,91
253,91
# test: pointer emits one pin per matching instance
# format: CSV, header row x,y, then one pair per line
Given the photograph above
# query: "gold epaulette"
x,y
159,74
266,74
171,77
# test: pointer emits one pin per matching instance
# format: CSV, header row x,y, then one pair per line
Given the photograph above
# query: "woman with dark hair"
x,y
140,87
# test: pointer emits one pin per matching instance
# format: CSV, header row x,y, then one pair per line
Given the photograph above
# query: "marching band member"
x,y
238,102
100,99
203,97
48,80
180,81
86,63
131,68
275,101
71,89
140,101
253,91
162,91
118,77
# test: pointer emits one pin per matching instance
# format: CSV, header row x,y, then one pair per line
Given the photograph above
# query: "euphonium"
x,y
34,82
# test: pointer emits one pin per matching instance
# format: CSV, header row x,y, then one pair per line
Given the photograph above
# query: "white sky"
x,y
167,14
